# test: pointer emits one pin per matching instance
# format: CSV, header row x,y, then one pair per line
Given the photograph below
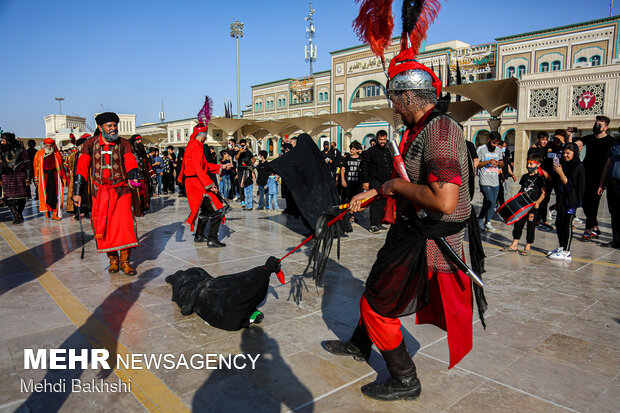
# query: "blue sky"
x,y
125,56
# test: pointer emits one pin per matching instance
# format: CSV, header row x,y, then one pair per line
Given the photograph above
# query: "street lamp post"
x,y
236,31
59,106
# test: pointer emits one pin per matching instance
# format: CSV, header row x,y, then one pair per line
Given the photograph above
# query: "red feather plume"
x,y
417,17
204,116
374,24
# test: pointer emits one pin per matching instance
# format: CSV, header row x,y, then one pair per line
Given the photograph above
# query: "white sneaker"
x,y
489,227
561,255
553,251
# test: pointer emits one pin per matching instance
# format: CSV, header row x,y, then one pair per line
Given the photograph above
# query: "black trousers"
x,y
564,228
16,206
613,203
591,201
530,220
376,212
544,205
208,213
352,189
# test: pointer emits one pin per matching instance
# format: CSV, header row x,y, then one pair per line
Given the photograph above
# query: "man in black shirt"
x,y
597,148
245,160
376,169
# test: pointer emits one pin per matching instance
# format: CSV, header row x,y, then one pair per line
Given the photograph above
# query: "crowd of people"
x,y
557,166
554,166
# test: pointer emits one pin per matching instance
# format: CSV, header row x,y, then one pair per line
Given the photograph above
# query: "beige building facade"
x,y
566,75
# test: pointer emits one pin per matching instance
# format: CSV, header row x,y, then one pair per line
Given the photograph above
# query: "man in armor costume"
x,y
111,164
15,170
411,273
141,195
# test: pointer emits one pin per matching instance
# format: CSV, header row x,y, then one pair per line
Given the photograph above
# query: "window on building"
x,y
582,60
520,71
595,60
510,72
544,67
186,133
171,136
556,65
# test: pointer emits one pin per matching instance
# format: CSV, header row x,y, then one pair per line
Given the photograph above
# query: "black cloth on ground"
x,y
225,302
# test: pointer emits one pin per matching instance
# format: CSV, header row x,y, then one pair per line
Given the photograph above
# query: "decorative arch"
x,y
515,62
588,53
367,138
361,89
481,134
509,137
546,60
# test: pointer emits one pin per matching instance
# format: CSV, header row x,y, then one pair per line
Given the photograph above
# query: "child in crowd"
x,y
569,182
533,184
262,175
272,191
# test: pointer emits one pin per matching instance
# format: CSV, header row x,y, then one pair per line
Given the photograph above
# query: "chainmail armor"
x,y
440,149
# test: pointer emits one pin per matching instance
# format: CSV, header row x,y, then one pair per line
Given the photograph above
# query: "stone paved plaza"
x,y
551,343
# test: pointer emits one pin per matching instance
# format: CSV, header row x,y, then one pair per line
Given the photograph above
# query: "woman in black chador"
x,y
15,173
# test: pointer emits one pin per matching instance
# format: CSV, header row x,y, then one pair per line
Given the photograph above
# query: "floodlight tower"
x,y
59,105
236,31
310,47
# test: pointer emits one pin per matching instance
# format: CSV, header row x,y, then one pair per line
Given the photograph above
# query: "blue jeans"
x,y
489,194
225,185
272,201
262,196
159,176
248,195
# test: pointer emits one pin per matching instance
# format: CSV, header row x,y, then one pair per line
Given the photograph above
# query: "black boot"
x,y
14,212
214,243
403,383
359,346
200,230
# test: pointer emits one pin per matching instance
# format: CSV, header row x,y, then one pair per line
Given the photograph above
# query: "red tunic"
x,y
112,219
197,183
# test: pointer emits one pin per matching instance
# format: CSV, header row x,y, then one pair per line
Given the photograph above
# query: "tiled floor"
x,y
551,342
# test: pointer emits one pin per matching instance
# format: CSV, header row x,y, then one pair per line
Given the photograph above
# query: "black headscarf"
x,y
572,193
569,166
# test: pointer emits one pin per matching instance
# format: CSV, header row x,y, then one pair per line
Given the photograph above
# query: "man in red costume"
x,y
411,273
110,162
203,196
50,178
